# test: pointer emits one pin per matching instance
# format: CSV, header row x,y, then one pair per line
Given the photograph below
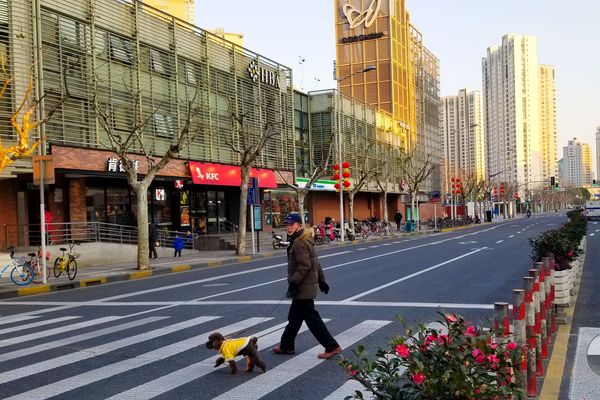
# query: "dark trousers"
x,y
303,310
399,225
153,253
177,252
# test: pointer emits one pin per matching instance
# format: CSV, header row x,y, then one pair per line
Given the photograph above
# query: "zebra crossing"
x,y
140,356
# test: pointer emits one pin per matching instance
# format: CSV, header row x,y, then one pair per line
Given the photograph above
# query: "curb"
x,y
101,279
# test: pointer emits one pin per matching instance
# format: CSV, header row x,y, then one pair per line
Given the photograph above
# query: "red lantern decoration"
x,y
336,166
346,184
337,186
336,176
452,179
345,164
457,179
346,174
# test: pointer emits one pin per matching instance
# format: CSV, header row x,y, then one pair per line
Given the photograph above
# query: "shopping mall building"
x,y
137,63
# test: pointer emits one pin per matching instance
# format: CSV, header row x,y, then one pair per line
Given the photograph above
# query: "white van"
x,y
592,209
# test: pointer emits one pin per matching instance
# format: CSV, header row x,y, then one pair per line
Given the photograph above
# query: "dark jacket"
x,y
398,217
152,233
304,268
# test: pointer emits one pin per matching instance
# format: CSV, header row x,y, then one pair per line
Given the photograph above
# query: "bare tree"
x,y
366,172
470,184
317,172
383,177
415,171
125,142
249,147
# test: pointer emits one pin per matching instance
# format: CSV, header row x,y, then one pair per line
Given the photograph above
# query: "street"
x,y
145,338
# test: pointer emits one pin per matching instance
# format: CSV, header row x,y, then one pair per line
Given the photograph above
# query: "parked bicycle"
x,y
67,262
20,274
36,265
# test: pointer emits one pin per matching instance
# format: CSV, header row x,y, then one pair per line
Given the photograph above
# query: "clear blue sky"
x,y
458,32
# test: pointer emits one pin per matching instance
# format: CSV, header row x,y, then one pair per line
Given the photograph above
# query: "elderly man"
x,y
304,276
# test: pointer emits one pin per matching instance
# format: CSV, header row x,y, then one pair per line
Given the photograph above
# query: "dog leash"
x,y
264,318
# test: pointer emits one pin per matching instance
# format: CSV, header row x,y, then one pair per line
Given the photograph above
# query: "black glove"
x,y
293,290
324,287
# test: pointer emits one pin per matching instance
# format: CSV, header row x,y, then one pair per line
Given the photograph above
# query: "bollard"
x,y
552,292
537,327
518,303
501,321
546,264
531,337
542,293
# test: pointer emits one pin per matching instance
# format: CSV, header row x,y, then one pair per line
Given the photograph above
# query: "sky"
x,y
300,35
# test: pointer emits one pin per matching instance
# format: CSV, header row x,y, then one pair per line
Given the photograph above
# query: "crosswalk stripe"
x,y
347,389
107,371
267,338
36,324
54,331
296,366
16,318
75,339
44,366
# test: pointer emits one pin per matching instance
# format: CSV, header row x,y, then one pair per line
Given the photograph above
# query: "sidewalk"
x,y
101,274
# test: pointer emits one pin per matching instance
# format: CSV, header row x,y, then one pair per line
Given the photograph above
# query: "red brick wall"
x,y
427,210
8,209
77,200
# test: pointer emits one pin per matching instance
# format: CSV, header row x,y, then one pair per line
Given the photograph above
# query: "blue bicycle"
x,y
20,274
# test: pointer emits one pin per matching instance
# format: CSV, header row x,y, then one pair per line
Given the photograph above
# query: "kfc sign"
x,y
228,175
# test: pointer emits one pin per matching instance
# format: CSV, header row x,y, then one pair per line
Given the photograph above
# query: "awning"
x,y
229,175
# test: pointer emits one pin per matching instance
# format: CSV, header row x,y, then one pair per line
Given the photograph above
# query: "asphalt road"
x,y
144,339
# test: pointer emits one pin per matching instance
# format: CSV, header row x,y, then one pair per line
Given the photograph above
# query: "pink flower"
x,y
429,339
493,359
402,351
569,253
511,346
418,378
477,391
443,339
351,371
451,318
478,356
471,331
494,346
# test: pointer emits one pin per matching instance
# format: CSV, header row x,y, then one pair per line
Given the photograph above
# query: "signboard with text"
x,y
322,185
228,175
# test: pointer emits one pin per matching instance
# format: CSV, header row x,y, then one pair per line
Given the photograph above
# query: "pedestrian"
x,y
305,275
152,240
398,219
177,245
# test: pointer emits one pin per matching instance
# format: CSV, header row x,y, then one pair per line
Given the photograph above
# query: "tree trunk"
x,y
385,207
413,213
141,196
350,211
240,246
301,196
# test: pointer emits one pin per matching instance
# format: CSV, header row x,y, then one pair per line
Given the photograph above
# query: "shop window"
x,y
95,205
161,199
118,206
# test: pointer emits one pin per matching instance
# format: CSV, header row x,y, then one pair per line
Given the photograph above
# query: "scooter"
x,y
528,213
320,236
278,242
349,234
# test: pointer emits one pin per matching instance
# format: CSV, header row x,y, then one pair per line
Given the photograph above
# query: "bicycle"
x,y
20,275
36,266
67,262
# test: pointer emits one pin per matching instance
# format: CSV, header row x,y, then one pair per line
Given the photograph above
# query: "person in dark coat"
x,y
152,240
305,275
398,219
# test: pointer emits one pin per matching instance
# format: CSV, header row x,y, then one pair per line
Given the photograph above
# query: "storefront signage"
x,y
179,184
360,38
321,185
114,165
159,194
228,175
356,17
269,77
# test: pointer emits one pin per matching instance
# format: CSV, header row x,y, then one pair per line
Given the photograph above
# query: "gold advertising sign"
x,y
48,165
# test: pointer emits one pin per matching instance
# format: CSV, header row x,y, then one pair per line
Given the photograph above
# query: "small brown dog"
x,y
230,348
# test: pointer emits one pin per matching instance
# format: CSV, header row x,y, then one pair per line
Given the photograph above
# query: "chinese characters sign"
x,y
116,165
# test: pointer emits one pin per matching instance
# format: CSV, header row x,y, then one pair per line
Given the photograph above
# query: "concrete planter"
x,y
563,282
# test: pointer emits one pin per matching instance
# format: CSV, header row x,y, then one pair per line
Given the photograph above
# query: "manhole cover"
x,y
593,355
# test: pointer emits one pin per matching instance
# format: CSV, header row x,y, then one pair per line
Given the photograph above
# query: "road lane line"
x,y
412,275
298,365
9,319
511,236
267,338
77,338
44,366
499,241
95,375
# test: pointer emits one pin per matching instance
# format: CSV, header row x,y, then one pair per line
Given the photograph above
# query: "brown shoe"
x,y
279,350
328,354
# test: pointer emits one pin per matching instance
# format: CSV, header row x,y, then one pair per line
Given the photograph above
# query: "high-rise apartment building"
x,y
463,136
511,98
182,9
578,164
597,154
548,121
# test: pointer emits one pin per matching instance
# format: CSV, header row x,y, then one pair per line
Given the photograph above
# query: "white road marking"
x,y
500,241
78,338
511,236
267,338
591,234
597,230
468,242
361,248
55,331
9,319
374,246
215,284
296,366
347,389
411,275
86,378
386,244
45,366
36,324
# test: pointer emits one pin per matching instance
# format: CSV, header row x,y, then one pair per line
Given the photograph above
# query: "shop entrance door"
x,y
215,210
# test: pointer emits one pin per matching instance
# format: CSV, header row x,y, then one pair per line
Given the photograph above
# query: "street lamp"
x,y
339,144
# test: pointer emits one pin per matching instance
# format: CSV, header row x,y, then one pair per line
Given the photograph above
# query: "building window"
x,y
164,126
121,49
159,62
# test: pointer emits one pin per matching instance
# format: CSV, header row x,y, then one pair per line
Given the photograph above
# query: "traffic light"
x,y
552,181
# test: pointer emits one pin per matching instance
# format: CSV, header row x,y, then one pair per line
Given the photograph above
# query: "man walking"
x,y
398,219
304,276
152,240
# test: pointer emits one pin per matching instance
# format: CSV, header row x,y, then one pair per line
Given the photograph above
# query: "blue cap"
x,y
293,218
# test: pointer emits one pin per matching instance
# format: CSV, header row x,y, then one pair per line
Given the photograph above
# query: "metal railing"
x,y
166,238
225,226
